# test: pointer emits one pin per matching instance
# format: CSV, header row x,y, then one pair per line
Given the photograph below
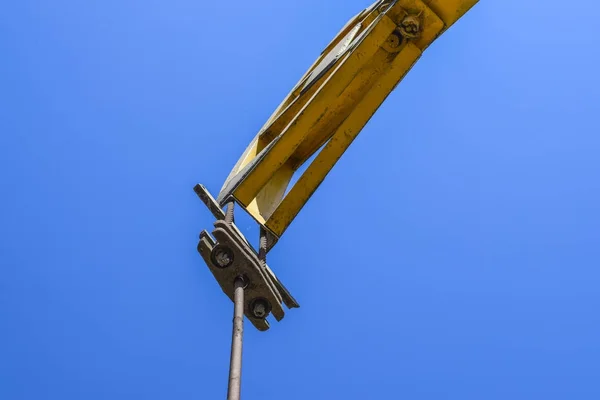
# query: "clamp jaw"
x,y
230,256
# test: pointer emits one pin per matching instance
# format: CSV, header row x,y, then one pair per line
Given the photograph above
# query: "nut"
x,y
411,26
222,257
260,308
393,41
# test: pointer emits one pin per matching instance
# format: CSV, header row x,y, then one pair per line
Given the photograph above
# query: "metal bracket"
x,y
229,256
209,201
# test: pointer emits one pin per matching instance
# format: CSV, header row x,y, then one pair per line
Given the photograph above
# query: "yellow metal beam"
x,y
332,103
301,127
341,140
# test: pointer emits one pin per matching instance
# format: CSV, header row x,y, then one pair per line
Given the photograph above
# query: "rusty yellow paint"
x,y
301,126
341,140
331,104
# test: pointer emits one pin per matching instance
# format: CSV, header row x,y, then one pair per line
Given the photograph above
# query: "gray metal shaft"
x,y
235,367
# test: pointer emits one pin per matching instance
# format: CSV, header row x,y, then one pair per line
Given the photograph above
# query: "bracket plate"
x,y
260,280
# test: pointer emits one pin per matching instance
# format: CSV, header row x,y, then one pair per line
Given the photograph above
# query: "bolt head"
x,y
411,25
260,308
394,41
222,257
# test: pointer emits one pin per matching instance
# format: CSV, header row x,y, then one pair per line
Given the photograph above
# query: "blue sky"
x,y
477,185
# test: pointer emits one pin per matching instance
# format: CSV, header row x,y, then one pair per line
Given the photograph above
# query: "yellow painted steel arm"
x,y
331,104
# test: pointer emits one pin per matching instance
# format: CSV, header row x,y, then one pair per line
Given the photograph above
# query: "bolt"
x,y
262,248
394,41
411,26
222,257
260,309
229,213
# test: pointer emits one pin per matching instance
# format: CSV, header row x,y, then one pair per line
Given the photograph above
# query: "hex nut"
x,y
222,256
260,308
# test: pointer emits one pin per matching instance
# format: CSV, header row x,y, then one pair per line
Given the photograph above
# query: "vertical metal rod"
x,y
229,213
235,367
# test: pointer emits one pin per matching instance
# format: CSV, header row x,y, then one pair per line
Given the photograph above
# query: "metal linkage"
x,y
229,255
244,277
